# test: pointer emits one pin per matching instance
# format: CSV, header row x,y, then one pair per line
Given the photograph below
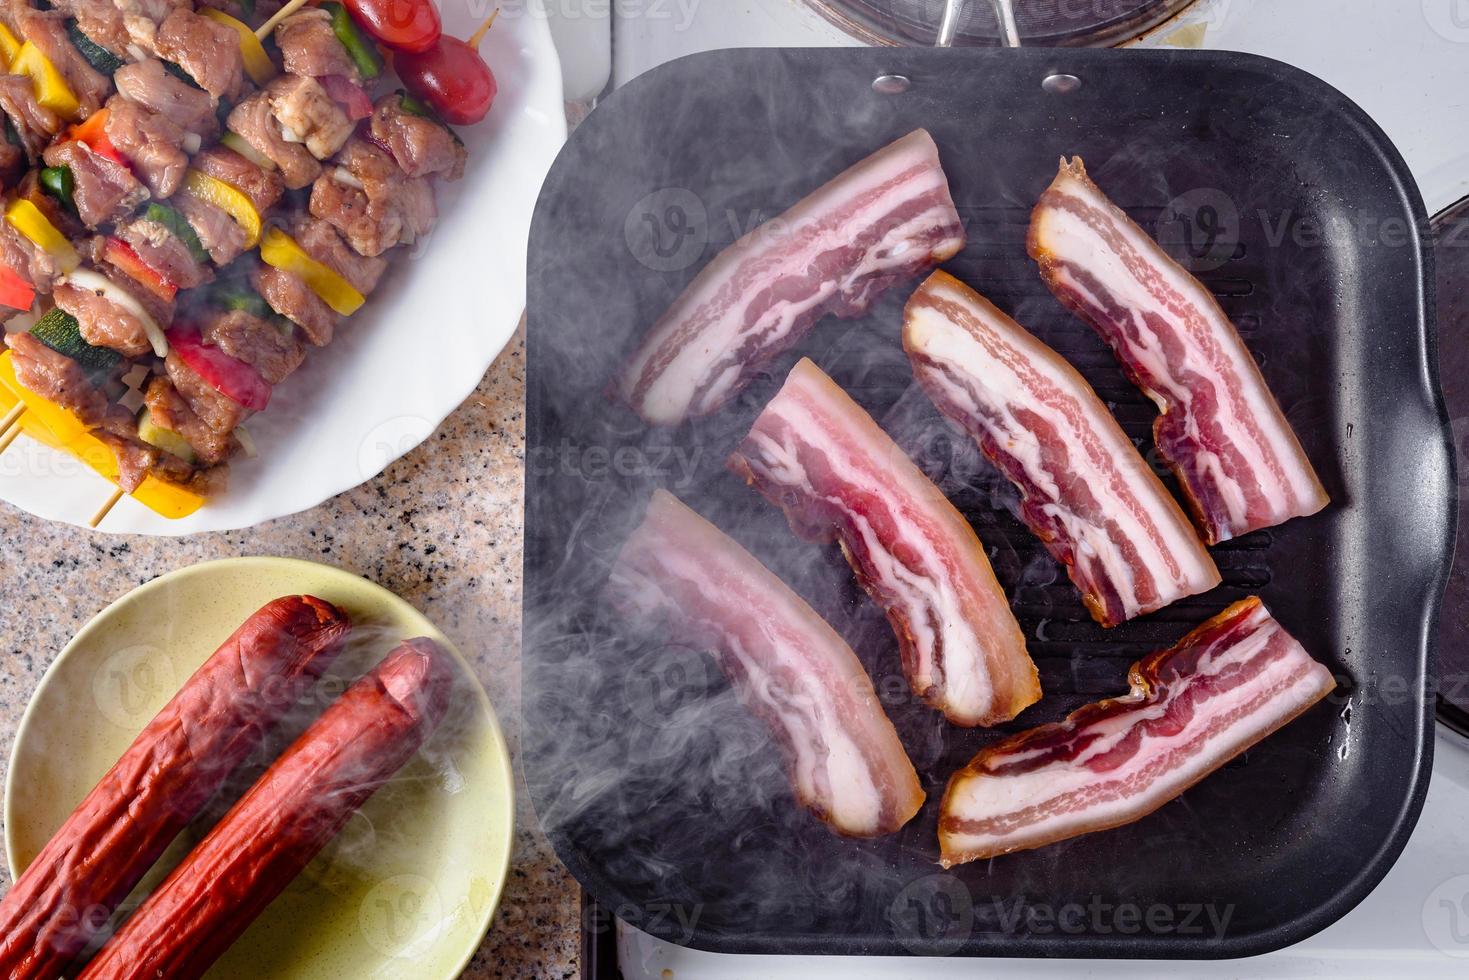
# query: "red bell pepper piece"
x,y
235,379
122,255
93,132
15,292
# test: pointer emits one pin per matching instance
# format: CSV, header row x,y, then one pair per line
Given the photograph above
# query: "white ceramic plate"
x,y
444,311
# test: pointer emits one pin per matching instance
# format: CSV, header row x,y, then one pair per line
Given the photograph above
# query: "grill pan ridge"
x,y
670,805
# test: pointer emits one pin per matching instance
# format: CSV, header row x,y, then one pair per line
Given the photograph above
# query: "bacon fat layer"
x,y
1220,428
817,455
1085,491
1193,707
789,667
883,220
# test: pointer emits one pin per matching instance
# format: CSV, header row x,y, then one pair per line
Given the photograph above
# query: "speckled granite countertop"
x,y
441,527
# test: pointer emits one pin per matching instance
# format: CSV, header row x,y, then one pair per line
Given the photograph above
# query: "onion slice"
x,y
102,286
247,442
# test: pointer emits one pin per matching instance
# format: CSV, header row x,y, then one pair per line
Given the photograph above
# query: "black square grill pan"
x,y
669,803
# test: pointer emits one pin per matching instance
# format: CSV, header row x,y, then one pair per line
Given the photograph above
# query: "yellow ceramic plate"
x,y
409,886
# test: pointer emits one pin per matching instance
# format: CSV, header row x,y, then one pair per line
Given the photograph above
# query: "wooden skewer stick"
x,y
264,30
106,508
484,29
6,438
10,430
12,417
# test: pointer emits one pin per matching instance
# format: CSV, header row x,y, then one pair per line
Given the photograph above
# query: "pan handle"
x,y
1004,13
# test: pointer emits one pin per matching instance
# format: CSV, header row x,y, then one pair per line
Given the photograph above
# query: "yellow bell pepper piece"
x,y
51,425
9,46
280,250
48,84
257,63
229,199
27,219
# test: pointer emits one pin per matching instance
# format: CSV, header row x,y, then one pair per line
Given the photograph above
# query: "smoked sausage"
x,y
286,818
160,784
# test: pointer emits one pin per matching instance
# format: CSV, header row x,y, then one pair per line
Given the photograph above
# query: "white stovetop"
x,y
1406,62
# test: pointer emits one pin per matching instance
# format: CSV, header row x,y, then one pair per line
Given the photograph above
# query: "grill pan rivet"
x,y
1060,83
891,84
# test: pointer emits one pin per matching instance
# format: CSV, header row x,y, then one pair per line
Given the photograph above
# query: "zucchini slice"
x,y
60,331
97,56
167,440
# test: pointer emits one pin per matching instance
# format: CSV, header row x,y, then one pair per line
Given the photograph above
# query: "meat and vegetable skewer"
x,y
153,287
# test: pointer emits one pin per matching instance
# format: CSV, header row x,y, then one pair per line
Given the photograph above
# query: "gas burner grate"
x,y
1041,23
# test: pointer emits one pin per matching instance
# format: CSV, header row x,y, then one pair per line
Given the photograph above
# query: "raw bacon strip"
x,y
885,219
814,453
1085,491
790,668
1192,708
1221,430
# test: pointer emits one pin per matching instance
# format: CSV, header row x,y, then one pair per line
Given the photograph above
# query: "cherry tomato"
x,y
408,25
451,77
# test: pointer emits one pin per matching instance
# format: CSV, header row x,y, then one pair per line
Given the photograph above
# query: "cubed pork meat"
x,y
56,378
254,122
215,409
103,189
19,254
369,200
46,29
265,346
262,187
95,252
162,250
320,241
34,123
304,110
289,296
309,46
421,146
170,410
103,321
148,83
221,235
101,21
206,49
151,142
